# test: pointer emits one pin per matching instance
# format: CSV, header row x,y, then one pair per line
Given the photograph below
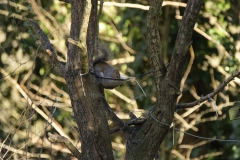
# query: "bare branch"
x,y
183,42
143,7
116,120
23,152
192,56
47,46
83,36
56,126
60,139
42,36
137,121
202,99
154,43
41,15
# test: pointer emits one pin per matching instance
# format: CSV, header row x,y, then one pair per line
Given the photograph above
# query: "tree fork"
x,y
84,91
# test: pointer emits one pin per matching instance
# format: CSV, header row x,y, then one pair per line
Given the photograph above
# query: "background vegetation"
x,y
34,99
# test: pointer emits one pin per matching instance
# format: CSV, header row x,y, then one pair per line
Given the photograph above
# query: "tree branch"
x,y
60,139
29,101
84,91
29,155
83,37
152,133
47,47
154,43
183,42
137,121
116,120
202,99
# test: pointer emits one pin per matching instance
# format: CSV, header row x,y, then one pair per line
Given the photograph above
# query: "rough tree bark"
x,y
89,105
85,96
148,139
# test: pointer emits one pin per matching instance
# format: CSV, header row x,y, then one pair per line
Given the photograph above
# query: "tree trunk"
x,y
84,92
148,139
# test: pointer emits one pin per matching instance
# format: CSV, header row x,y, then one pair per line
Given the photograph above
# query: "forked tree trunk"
x,y
87,98
91,118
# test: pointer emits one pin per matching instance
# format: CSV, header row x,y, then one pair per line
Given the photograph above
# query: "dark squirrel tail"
x,y
102,54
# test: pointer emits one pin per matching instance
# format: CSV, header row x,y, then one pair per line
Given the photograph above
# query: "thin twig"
x,y
236,73
192,56
200,137
18,151
57,127
143,7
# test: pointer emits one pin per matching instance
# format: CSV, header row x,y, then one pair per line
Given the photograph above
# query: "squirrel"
x,y
105,70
